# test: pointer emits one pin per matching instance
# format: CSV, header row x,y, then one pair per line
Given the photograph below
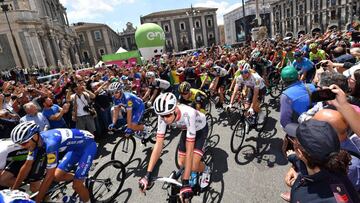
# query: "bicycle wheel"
x,y
275,85
153,126
210,122
124,149
263,108
107,182
238,136
177,156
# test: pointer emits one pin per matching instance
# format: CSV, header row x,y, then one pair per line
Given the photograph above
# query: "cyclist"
x,y
134,106
218,83
257,90
262,66
304,67
191,142
195,97
12,157
79,147
156,86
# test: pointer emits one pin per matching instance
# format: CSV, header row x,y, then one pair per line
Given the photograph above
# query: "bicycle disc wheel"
x,y
238,136
107,182
124,149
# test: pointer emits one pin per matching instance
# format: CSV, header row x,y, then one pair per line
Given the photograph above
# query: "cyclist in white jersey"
x,y
155,87
12,158
219,82
191,144
256,90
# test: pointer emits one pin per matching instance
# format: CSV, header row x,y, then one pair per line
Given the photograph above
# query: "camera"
x,y
90,110
322,95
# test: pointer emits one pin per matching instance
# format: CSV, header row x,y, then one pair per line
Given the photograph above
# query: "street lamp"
x,y
193,12
5,8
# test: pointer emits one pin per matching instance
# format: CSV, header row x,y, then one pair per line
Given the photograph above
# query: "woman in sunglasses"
x,y
191,144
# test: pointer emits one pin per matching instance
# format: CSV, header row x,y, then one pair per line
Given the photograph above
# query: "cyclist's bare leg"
x,y
197,165
221,94
35,186
79,187
7,179
61,175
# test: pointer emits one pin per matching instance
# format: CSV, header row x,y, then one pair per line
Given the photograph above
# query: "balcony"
x,y
24,17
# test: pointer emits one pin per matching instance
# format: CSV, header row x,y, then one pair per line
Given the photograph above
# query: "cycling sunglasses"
x,y
167,115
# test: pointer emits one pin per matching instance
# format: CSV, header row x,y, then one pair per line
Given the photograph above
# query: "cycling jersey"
x,y
14,196
197,96
159,84
10,152
219,72
254,81
79,146
187,119
131,102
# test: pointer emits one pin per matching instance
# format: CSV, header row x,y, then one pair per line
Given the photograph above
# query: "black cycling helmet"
x,y
184,87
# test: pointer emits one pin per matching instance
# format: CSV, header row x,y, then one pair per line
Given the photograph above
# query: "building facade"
x,y
222,34
95,40
187,28
127,37
40,35
295,17
237,25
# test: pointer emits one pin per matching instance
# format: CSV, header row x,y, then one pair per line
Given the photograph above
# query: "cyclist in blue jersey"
x,y
134,106
79,148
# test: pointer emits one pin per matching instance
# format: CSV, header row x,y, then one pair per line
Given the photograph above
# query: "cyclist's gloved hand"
x,y
251,111
144,182
111,126
128,131
186,191
149,104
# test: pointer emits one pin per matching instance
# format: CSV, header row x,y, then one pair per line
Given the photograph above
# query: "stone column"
x,y
203,27
49,58
216,29
173,33
54,47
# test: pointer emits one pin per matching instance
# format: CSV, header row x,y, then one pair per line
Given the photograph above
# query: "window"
x,y
101,52
182,26
168,42
86,55
210,35
82,38
97,35
199,38
166,28
316,18
333,14
209,22
1,49
197,24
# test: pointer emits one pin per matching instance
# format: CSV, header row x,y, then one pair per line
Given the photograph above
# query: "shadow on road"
x,y
213,196
266,150
124,195
275,104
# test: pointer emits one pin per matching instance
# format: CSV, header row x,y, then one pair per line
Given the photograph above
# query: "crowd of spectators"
x,y
324,141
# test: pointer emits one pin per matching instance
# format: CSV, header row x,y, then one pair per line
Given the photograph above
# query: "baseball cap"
x,y
318,138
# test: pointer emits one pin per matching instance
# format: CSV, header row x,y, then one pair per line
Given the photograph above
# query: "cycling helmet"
x,y
23,132
255,54
241,63
246,68
289,74
115,86
184,87
150,74
313,46
297,53
165,104
124,77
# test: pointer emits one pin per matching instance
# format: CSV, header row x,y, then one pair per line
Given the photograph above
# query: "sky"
x,y
116,13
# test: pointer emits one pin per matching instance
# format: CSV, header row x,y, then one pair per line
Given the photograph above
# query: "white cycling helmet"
x,y
115,86
150,74
165,104
23,132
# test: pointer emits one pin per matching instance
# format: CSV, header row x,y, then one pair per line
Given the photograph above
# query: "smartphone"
x,y
322,95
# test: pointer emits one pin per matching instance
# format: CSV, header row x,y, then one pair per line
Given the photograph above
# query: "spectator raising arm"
x,y
345,108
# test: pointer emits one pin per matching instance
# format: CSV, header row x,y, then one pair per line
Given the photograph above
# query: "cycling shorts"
x,y
262,93
199,142
82,157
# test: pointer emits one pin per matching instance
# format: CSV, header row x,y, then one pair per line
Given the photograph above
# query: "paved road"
x,y
255,174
